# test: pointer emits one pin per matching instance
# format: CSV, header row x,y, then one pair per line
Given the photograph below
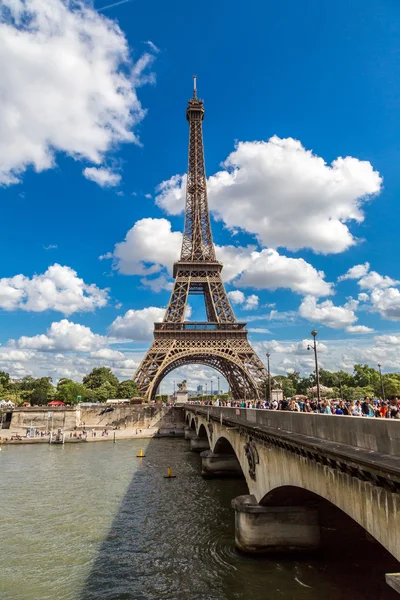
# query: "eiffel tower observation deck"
x,y
220,342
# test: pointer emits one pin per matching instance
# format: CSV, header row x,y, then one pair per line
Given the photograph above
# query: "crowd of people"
x,y
367,407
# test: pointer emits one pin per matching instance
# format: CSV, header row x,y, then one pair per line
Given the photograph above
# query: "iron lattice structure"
x,y
221,342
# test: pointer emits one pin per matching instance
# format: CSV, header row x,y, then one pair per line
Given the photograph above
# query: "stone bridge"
x,y
293,461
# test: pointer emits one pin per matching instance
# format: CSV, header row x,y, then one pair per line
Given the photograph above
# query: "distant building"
x,y
199,389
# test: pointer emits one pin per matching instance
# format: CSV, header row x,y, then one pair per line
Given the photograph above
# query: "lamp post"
x,y
206,390
314,347
340,387
218,391
383,389
269,378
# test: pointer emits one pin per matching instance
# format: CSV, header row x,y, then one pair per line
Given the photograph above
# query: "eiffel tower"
x,y
220,342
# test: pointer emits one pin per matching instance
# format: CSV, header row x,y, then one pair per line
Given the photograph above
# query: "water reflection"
x,y
91,521
174,539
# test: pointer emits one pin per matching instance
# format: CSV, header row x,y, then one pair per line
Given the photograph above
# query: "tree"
x,y
287,386
327,378
98,377
68,392
42,391
127,389
4,380
104,392
365,376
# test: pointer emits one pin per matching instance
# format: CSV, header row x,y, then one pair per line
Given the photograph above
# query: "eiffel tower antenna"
x,y
220,342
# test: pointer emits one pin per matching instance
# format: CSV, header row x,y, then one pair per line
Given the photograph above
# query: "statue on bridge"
x,y
182,386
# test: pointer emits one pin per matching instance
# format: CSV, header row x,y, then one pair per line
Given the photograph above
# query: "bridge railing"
x,y
376,435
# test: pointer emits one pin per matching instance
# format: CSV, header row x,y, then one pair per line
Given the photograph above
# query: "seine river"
x,y
93,522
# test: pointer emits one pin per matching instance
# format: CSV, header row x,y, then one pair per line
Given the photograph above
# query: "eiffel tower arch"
x,y
221,341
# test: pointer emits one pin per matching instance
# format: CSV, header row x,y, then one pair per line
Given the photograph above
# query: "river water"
x,y
93,522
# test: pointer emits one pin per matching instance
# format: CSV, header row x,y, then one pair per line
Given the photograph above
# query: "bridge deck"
x,y
375,443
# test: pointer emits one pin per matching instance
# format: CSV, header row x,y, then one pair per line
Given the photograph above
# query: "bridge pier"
x,y
198,444
267,529
219,465
189,433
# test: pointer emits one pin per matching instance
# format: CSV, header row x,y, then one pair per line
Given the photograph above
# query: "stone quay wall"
x,y
125,416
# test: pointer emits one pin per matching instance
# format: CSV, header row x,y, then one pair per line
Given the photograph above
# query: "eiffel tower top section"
x,y
197,243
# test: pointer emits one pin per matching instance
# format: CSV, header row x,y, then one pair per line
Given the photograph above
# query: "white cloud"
x,y
67,85
363,297
137,325
355,272
149,241
107,354
270,270
386,302
103,177
285,195
62,335
374,280
150,246
248,303
152,46
327,313
236,297
158,283
297,348
251,302
59,288
358,329
258,330
368,280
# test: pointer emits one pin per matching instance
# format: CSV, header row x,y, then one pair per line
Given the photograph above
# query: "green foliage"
x,y
287,385
42,391
100,376
68,392
127,389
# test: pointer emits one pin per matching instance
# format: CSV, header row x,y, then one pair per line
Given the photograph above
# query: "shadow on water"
x,y
174,540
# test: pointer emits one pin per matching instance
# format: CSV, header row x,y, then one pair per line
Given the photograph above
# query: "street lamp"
x,y
218,387
314,347
383,389
269,378
340,387
206,389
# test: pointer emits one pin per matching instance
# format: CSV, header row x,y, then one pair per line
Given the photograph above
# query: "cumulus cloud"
x,y
285,195
149,246
236,297
386,302
62,335
297,348
358,329
67,85
137,325
355,272
248,303
107,354
368,280
59,288
327,313
103,177
270,270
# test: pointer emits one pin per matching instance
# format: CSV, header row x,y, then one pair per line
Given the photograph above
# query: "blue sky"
x,y
322,74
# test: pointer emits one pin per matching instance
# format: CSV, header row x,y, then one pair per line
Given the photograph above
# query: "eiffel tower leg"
x,y
235,360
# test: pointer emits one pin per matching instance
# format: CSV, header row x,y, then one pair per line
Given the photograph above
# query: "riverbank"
x,y
117,434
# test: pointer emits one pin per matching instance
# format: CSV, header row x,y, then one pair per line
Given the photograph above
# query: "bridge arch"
x,y
279,471
222,360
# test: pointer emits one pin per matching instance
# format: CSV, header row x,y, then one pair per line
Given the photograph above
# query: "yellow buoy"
x,y
140,455
169,474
